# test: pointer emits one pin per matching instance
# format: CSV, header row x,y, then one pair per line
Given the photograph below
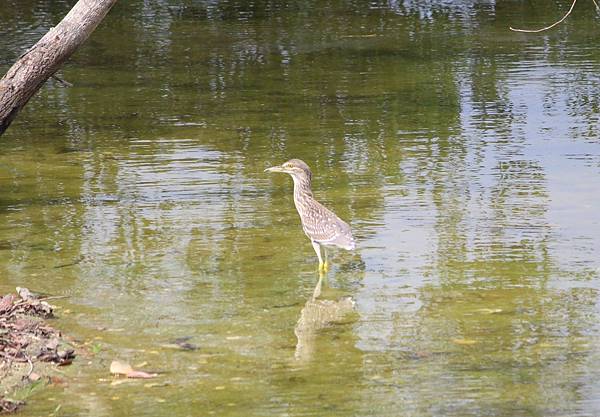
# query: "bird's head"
x,y
295,167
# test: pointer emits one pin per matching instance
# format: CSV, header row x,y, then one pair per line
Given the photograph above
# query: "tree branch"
x,y
40,62
552,25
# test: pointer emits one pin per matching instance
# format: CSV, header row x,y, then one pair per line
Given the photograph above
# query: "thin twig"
x,y
61,81
370,35
547,27
30,365
54,297
597,7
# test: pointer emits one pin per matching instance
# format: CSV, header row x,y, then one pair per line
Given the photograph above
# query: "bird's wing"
x,y
323,226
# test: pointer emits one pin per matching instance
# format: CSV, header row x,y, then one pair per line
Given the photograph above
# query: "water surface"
x,y
466,158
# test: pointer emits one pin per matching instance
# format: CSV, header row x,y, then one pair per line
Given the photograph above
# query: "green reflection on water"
x,y
465,157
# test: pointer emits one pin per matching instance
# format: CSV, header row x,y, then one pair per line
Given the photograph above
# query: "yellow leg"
x,y
325,264
317,248
322,276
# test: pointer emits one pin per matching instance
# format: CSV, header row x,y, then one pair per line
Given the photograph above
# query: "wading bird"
x,y
320,224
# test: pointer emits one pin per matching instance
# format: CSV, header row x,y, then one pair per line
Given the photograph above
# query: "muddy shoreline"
x,y
29,346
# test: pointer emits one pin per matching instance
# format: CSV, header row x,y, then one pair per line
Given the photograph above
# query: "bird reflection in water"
x,y
316,315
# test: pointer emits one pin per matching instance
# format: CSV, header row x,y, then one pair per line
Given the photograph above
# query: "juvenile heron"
x,y
320,224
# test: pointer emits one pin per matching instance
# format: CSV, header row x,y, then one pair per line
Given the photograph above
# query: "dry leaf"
x,y
24,293
56,380
489,310
140,374
7,302
464,341
122,368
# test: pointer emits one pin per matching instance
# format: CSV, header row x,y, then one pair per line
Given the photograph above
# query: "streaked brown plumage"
x,y
319,223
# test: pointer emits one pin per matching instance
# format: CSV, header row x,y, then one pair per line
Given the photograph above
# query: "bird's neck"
x,y
302,191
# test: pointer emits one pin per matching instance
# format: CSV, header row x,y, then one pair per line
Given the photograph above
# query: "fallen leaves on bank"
x,y
26,340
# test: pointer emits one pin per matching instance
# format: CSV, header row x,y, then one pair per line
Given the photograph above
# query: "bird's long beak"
x,y
274,169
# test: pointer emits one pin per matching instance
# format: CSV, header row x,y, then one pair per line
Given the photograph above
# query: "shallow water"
x,y
466,158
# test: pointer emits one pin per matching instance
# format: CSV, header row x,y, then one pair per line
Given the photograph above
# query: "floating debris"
x,y
181,343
